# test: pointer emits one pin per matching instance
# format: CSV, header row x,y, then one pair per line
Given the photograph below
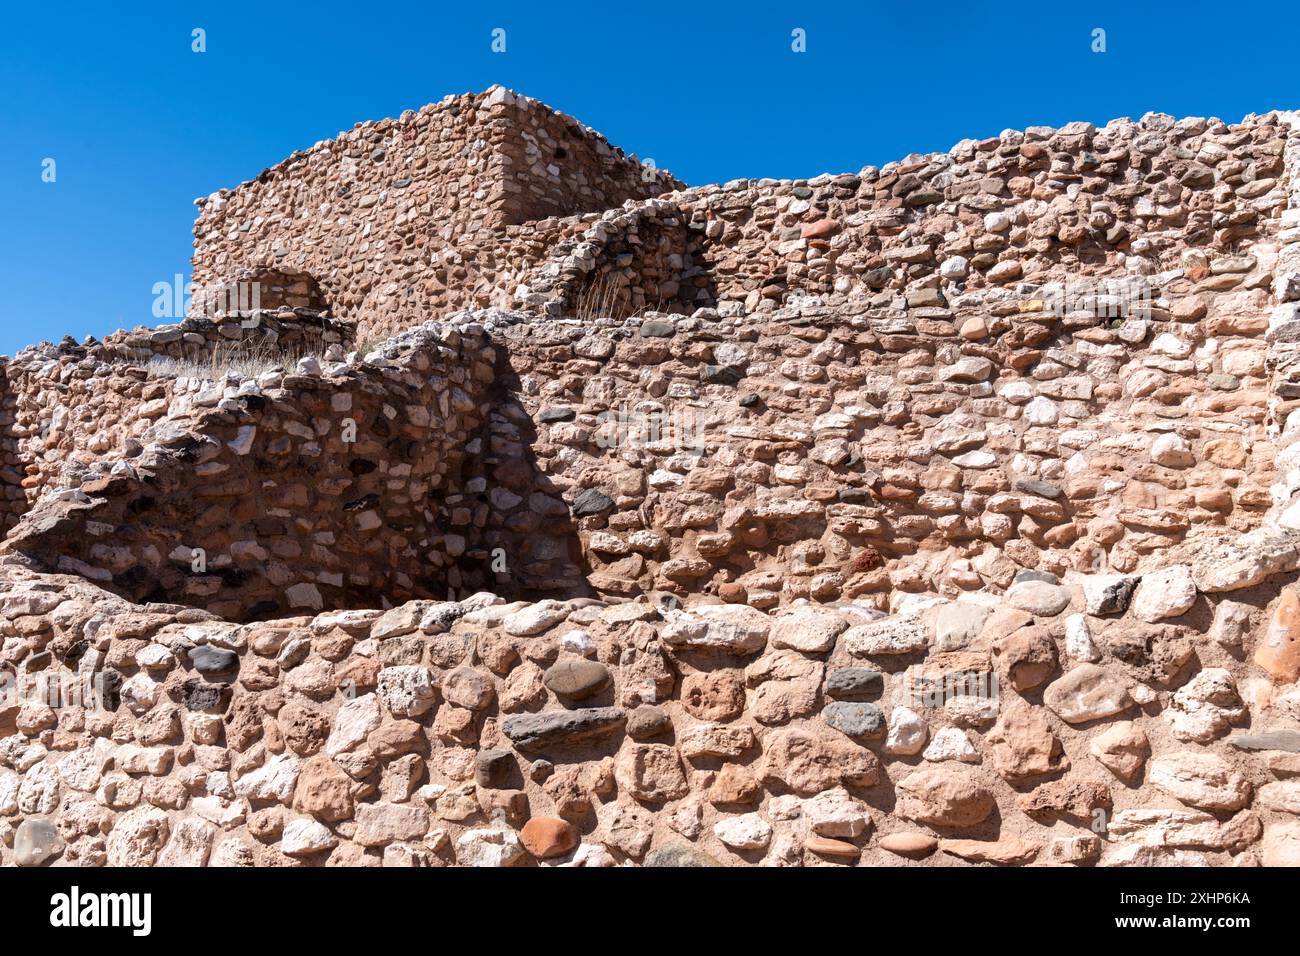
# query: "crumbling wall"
x,y
1075,205
1025,206
340,486
634,259
70,405
408,218
69,409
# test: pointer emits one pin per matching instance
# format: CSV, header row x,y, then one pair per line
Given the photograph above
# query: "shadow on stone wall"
x,y
658,266
529,523
379,485
13,499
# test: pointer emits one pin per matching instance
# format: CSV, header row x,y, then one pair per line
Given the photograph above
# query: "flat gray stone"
x,y
534,732
679,856
213,661
576,678
1038,597
855,719
1287,740
1036,486
849,682
656,329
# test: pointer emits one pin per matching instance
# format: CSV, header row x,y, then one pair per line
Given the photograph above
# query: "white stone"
x,y
833,813
83,768
997,222
975,459
242,443
954,268
897,634
907,732
406,690
1017,391
1171,345
533,619
746,832
662,479
273,781
733,628
1200,779
1169,592
137,837
353,723
1078,639
807,630
189,845
577,642
1232,562
1205,707
1231,623
155,657
489,847
1172,451
304,836
951,743
1041,411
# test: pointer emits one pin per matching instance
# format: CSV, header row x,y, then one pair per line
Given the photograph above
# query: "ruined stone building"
x,y
545,510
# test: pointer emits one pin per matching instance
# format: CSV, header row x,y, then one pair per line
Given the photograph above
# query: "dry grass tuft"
x,y
602,299
245,359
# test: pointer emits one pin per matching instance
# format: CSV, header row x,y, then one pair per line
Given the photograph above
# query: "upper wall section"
x,y
403,220
377,215
1071,204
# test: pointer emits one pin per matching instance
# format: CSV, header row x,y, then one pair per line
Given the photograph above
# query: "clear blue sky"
x,y
139,125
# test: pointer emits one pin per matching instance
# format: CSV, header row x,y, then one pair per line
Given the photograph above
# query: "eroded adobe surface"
x,y
825,522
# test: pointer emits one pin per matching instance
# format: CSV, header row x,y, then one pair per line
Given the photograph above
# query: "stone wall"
x,y
1101,721
68,405
939,514
810,452
1027,206
391,218
1127,199
640,257
340,484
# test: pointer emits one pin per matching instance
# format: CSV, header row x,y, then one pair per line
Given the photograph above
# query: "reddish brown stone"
x,y
829,847
1278,651
909,843
546,837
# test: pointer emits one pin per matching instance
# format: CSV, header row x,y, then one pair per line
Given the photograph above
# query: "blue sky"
x,y
139,125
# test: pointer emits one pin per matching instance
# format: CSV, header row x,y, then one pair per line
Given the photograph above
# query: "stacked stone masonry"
x,y
939,514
